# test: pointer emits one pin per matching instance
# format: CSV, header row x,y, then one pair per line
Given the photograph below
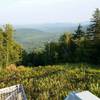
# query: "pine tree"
x,y
94,28
79,32
67,47
94,34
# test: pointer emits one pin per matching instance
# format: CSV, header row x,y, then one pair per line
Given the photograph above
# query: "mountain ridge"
x,y
37,36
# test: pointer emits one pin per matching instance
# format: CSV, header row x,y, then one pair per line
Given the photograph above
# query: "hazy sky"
x,y
46,11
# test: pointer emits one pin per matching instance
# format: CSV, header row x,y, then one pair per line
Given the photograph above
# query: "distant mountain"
x,y
58,27
51,27
27,30
54,27
35,36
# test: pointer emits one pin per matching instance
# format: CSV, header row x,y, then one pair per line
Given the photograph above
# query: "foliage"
x,y
94,28
79,32
10,51
80,46
52,82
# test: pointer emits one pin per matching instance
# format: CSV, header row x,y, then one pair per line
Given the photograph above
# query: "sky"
x,y
46,11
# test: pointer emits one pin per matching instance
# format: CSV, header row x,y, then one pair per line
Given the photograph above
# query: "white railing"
x,y
15,92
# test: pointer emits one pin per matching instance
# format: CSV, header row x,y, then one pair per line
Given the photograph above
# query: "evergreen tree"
x,y
79,32
51,53
94,28
93,32
67,47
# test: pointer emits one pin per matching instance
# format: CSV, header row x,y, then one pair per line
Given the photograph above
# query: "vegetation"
x,y
10,52
52,82
81,46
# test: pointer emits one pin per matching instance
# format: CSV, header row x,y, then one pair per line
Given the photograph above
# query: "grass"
x,y
52,82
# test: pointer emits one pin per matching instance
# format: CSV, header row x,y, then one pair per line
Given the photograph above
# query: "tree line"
x,y
81,46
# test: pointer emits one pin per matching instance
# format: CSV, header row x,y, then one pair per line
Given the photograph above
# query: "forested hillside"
x,y
80,46
67,62
35,36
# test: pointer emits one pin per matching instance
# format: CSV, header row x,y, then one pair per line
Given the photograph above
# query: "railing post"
x,y
13,93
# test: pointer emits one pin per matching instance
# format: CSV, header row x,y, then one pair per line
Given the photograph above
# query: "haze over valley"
x,y
36,35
